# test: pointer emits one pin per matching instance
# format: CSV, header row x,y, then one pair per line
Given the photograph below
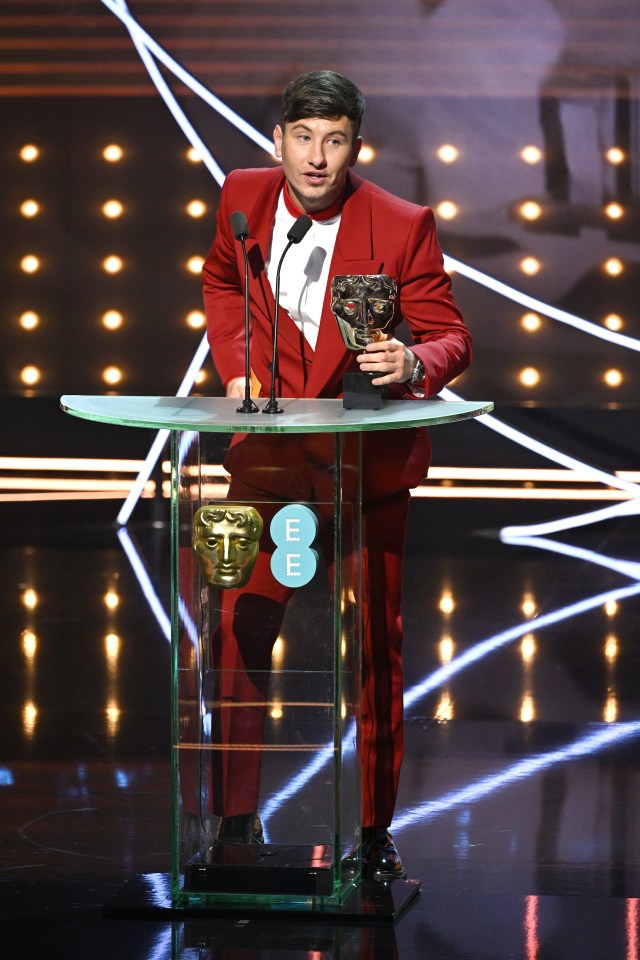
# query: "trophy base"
x,y
358,393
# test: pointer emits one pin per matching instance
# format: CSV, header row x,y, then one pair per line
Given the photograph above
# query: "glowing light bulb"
x,y
112,264
447,210
448,153
367,154
196,319
30,208
613,378
613,266
112,375
276,710
614,211
112,209
611,647
29,320
200,377
531,154
196,208
613,321
30,263
611,608
530,266
29,153
194,264
112,319
112,153
529,605
30,375
615,155
193,156
529,377
530,322
530,210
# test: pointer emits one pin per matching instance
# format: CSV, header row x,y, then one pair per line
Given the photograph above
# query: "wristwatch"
x,y
419,372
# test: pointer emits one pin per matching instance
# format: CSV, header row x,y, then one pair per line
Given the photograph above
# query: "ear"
x,y
278,134
355,150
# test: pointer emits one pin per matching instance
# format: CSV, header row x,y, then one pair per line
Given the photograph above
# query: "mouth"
x,y
314,178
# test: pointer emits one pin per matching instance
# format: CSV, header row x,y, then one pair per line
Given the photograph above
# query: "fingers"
x,y
389,360
235,388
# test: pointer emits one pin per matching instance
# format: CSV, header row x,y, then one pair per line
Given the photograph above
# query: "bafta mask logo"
x,y
363,307
226,538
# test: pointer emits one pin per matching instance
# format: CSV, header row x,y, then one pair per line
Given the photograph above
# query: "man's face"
x,y
316,154
226,550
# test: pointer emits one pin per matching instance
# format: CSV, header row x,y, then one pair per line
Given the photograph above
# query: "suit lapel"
x,y
353,253
260,221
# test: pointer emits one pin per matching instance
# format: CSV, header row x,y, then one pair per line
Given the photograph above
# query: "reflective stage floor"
x,y
520,794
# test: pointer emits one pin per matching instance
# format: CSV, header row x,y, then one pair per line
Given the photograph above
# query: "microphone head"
x,y
300,229
239,225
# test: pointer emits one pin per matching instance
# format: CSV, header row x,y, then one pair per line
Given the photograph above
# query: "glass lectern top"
x,y
219,414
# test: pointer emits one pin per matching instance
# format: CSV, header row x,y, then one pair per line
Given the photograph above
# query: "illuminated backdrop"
x,y
517,123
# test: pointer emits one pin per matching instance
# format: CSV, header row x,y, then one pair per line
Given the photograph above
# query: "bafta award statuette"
x,y
226,539
363,305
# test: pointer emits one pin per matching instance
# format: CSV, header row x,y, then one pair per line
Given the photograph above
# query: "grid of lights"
x,y
528,378
113,209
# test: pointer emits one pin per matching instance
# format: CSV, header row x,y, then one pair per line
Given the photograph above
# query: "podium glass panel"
x,y
266,667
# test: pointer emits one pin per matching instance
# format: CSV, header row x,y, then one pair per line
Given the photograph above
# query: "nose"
x,y
316,156
228,550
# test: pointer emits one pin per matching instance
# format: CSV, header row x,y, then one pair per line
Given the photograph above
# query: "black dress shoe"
x,y
380,858
243,828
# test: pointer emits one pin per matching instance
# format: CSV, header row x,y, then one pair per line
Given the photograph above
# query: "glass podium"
x,y
266,646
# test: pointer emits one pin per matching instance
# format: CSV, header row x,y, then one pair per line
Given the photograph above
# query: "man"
x,y
357,229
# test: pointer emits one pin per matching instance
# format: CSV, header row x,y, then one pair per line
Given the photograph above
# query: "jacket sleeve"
x,y
224,295
442,342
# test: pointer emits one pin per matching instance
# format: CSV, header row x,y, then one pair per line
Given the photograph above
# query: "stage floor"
x,y
520,793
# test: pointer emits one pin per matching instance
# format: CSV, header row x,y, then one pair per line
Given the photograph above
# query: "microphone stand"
x,y
248,406
297,232
272,406
241,232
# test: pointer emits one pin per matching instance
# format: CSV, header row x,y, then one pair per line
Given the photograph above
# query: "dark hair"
x,y
322,93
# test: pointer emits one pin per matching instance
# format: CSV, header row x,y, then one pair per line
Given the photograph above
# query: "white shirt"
x,y
305,269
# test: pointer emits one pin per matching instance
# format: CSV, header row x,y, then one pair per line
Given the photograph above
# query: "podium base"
x,y
269,868
148,897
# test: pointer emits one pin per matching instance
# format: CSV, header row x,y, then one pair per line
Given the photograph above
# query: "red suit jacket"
x,y
378,233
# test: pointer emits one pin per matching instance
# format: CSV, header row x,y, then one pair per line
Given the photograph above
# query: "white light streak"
x,y
119,9
145,582
533,304
518,772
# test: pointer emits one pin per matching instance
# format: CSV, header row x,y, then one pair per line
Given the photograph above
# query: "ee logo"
x,y
293,530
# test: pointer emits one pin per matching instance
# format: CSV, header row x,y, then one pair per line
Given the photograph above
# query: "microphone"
x,y
240,230
297,232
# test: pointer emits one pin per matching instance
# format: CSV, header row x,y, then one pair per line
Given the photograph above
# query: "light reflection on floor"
x,y
519,798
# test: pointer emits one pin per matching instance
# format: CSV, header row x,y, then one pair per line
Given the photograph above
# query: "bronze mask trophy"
x,y
363,305
226,538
